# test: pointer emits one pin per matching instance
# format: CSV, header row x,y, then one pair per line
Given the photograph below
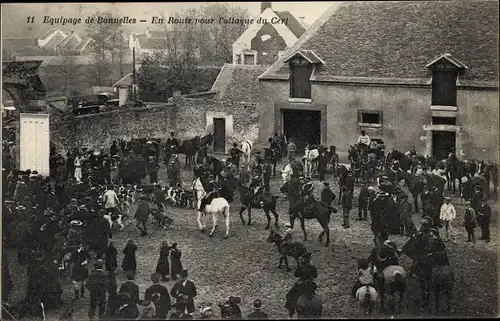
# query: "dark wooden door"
x,y
219,134
443,143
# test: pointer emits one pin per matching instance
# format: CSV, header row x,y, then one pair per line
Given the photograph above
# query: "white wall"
x,y
34,147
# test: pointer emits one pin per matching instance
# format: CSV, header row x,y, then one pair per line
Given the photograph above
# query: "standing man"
x,y
258,314
470,222
405,213
235,154
322,164
363,203
184,290
165,303
327,195
97,284
346,201
292,149
172,142
113,150
484,213
447,216
80,273
153,168
78,167
394,212
141,215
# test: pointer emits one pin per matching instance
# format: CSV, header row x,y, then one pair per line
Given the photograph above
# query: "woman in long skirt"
x,y
175,257
129,262
162,267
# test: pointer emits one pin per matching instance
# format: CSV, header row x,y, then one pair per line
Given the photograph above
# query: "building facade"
x,y
409,73
263,43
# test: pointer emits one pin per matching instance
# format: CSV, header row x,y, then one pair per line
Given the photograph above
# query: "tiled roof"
x,y
293,24
54,42
70,42
399,39
44,35
84,42
124,82
238,82
153,43
310,55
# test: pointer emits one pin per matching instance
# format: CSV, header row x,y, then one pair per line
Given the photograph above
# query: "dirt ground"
x,y
245,265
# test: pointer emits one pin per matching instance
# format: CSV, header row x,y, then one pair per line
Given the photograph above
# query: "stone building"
x,y
421,74
263,43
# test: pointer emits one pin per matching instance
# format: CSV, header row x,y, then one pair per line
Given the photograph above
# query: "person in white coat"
x,y
447,216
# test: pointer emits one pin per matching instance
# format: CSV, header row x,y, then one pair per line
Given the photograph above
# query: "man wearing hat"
x,y
97,284
346,201
484,212
305,270
141,215
363,202
235,154
327,195
184,291
436,249
164,303
130,287
447,216
470,222
267,169
307,192
153,168
80,259
126,310
257,314
406,211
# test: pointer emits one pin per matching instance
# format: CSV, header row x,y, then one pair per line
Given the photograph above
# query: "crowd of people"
x,y
67,222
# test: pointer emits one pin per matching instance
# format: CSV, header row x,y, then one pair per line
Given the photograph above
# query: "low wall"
x,y
187,117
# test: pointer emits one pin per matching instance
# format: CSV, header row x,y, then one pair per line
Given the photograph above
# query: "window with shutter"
x,y
300,72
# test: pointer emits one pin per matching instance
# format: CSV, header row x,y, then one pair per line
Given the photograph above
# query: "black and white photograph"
x,y
250,160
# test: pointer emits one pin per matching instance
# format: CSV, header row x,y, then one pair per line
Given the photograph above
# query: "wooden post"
x,y
133,74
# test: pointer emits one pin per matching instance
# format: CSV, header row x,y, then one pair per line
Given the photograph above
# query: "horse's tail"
x,y
368,294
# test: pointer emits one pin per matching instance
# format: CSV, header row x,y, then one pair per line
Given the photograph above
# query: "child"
x,y
365,276
470,222
129,261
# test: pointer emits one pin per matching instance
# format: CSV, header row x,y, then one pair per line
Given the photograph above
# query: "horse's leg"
x,y
436,291
242,209
214,219
266,211
448,293
273,210
303,226
200,224
285,258
340,194
249,215
292,220
382,293
326,230
226,214
415,200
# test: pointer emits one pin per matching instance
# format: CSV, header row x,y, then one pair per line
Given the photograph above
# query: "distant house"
x,y
422,74
146,43
263,43
122,88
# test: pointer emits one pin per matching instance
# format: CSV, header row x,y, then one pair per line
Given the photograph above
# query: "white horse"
x,y
367,297
217,206
286,173
310,162
247,147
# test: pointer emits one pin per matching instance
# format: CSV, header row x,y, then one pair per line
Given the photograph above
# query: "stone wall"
x,y
185,116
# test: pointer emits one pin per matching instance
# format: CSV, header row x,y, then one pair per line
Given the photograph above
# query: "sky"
x,y
14,15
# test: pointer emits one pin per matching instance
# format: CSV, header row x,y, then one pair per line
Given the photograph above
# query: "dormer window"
x,y
301,67
445,71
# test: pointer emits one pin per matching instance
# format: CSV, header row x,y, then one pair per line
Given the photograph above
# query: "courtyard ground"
x,y
245,265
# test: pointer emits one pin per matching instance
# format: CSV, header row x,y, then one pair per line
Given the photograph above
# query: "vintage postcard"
x,y
250,160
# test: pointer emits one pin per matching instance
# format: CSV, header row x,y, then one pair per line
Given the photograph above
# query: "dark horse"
x,y
302,299
267,203
405,162
189,147
490,172
456,170
216,167
295,250
319,211
438,279
417,184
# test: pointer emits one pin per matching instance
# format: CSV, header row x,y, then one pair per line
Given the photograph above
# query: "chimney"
x,y
302,21
264,5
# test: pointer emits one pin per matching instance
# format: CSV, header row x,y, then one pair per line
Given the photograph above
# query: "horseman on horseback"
x,y
383,256
256,188
364,142
307,194
212,190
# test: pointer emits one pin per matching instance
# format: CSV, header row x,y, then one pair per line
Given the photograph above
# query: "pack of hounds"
x,y
129,195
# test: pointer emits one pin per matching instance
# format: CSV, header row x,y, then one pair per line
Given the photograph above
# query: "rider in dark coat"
x,y
305,270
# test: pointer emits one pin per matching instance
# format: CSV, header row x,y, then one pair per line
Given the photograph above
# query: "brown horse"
x,y
267,203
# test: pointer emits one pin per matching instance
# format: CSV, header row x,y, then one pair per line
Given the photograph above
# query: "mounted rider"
x,y
364,142
212,190
256,187
307,194
287,239
437,254
383,256
305,269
